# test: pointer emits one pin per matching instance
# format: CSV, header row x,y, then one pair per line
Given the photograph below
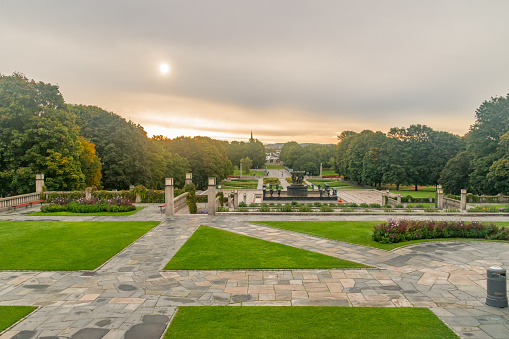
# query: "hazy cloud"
x,y
302,70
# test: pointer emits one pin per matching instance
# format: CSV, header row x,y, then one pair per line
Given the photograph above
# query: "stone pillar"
x,y
88,192
189,178
321,170
39,182
399,199
169,197
235,199
240,171
440,199
138,198
245,198
383,200
211,205
463,204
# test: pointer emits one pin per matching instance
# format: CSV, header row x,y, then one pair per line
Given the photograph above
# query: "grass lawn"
x,y
355,232
240,183
212,249
256,172
273,166
307,322
9,315
71,214
65,246
328,172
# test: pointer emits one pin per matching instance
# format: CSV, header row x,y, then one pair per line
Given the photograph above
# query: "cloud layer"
x,y
288,70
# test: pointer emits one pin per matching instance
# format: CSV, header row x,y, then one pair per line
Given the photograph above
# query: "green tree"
x,y
247,164
37,135
456,174
290,153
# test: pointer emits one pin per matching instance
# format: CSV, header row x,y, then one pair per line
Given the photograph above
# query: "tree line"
x,y
418,155
78,146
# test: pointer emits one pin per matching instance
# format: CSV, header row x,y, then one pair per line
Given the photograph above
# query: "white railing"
x,y
6,203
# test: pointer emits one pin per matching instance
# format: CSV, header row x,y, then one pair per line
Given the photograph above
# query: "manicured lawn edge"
x,y
70,252
98,214
215,249
8,321
371,244
306,322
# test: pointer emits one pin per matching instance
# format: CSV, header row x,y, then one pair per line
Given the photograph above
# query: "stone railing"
x,y
180,202
451,203
6,203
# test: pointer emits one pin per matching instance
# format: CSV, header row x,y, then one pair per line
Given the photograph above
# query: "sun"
x,y
164,68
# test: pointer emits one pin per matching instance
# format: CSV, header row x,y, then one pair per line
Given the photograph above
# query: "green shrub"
x,y
364,205
304,208
374,205
264,208
222,209
399,206
286,208
242,204
191,198
325,208
202,198
317,204
242,209
295,203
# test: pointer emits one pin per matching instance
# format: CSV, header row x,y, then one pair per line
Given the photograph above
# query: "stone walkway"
x,y
130,297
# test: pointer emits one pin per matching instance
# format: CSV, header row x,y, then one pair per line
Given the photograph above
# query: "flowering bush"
x,y
92,205
394,231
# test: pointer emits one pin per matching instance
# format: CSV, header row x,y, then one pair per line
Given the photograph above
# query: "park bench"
x,y
161,207
28,204
21,205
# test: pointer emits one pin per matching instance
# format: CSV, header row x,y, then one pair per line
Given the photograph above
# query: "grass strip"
x,y
355,232
71,214
213,249
65,246
9,315
307,322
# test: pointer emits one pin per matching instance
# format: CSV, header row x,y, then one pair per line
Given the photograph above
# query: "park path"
x,y
130,296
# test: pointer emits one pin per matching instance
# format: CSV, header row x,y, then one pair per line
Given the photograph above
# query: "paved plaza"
x,y
130,297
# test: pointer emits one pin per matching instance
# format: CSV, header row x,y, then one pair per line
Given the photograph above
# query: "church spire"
x,y
251,139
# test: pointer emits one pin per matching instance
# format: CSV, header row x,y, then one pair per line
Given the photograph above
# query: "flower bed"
x,y
92,205
394,231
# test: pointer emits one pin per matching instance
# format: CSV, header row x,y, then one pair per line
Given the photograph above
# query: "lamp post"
x,y
169,199
189,178
211,205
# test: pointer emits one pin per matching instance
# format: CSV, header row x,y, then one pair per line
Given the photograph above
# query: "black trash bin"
x,y
496,287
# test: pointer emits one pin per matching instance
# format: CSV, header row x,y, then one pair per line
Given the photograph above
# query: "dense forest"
x,y
78,146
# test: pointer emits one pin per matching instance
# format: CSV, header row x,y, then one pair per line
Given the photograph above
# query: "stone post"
x,y
189,178
39,182
440,199
235,199
245,198
463,204
501,199
321,170
138,198
399,199
240,171
211,205
169,197
88,192
383,200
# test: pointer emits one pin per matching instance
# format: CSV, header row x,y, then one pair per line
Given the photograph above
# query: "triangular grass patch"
x,y
213,249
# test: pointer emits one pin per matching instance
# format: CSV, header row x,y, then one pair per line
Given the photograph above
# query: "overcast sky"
x,y
288,70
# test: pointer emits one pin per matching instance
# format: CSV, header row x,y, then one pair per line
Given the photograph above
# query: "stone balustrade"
x,y
180,202
6,203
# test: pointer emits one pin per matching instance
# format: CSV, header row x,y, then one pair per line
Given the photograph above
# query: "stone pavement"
x,y
130,297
